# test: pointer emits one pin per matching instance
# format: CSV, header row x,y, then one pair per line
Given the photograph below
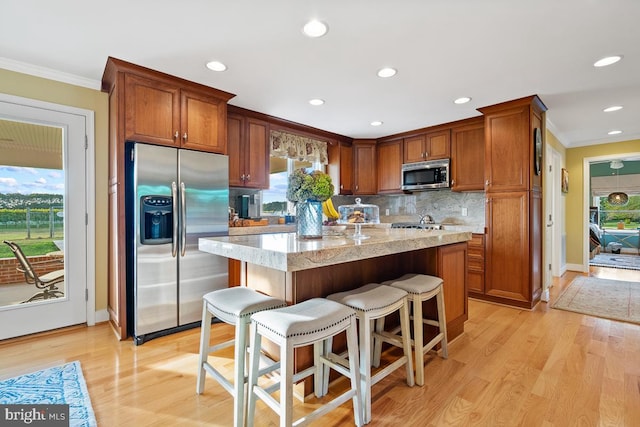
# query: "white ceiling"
x,y
490,50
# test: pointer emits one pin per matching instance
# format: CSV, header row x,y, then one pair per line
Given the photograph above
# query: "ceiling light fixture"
x,y
315,28
462,100
387,72
612,108
608,60
316,101
376,123
216,66
614,132
617,198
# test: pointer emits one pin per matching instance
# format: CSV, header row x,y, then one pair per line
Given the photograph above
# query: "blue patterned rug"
x,y
58,385
627,262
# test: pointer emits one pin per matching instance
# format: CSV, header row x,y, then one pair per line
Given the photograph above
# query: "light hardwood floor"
x,y
511,367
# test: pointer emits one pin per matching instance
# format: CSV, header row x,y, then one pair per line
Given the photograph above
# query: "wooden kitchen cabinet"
x,y
509,146
364,172
428,146
156,108
475,264
162,111
248,147
340,167
389,166
449,262
467,155
513,248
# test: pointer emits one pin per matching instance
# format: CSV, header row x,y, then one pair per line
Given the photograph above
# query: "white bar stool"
x,y
371,302
309,322
233,306
422,287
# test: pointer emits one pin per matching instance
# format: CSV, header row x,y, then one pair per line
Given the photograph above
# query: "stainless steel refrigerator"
x,y
174,197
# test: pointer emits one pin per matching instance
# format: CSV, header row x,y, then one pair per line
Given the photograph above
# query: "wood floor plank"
x,y
540,367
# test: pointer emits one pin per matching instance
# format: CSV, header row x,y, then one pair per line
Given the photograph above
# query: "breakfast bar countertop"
x,y
286,252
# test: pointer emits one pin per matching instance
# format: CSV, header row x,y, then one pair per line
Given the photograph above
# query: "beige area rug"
x,y
611,299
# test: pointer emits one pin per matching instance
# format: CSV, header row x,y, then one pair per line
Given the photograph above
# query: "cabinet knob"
x,y
242,177
486,183
184,136
176,135
248,177
453,182
426,154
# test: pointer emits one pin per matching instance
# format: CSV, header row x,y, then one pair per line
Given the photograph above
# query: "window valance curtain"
x,y
287,145
603,185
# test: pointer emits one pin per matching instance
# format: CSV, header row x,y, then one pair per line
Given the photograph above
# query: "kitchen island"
x,y
295,270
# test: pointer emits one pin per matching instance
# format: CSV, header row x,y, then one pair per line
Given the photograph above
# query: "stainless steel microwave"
x,y
425,175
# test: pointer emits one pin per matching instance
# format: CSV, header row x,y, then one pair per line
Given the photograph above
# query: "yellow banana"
x,y
332,210
325,209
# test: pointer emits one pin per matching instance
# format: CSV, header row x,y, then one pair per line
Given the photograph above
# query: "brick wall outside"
x,y
9,273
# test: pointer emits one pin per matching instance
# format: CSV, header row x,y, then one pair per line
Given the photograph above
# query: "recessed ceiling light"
x,y
612,108
387,72
608,60
315,28
615,132
462,100
316,101
376,123
216,66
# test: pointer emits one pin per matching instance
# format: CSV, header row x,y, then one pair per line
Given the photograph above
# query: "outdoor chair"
x,y
47,282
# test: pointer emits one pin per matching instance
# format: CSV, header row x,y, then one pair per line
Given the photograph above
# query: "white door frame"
x,y
553,220
87,117
586,199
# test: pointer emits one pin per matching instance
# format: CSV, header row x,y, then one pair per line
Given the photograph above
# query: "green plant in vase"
x,y
308,190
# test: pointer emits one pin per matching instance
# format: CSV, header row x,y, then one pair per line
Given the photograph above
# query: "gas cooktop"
x,y
419,225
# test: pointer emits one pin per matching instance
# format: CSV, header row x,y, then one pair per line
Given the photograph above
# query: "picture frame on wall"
x,y
565,181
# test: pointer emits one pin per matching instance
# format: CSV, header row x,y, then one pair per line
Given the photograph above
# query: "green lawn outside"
x,y
31,247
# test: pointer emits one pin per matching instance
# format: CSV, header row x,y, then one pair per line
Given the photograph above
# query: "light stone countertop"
x,y
285,252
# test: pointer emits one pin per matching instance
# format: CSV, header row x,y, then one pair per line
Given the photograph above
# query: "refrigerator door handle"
x,y
174,241
183,219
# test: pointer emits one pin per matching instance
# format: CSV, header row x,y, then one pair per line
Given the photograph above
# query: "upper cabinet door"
x,y
507,150
364,153
467,156
428,146
414,149
389,166
152,111
257,154
438,145
203,122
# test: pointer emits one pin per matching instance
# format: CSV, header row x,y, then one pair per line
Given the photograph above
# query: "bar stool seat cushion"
x,y
370,297
231,304
415,283
305,322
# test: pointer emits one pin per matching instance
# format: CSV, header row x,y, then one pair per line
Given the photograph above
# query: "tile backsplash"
x,y
444,205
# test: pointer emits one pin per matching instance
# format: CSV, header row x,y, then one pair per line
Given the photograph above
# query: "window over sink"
x,y
274,200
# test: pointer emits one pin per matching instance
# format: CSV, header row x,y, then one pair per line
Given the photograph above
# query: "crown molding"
x,y
48,73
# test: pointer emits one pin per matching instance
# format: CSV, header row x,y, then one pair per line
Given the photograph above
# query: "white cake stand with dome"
x,y
359,214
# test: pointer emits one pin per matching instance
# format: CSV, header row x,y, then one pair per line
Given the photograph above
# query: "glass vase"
x,y
309,220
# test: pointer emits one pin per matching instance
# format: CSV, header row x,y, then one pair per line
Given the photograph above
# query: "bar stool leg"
x,y
442,323
240,362
418,339
353,352
365,367
255,344
404,328
205,333
286,384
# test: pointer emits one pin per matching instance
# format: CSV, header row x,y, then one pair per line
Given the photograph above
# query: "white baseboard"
x,y
102,315
577,267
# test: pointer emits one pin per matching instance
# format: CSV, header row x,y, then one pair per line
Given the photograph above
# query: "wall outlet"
x,y
464,212
386,212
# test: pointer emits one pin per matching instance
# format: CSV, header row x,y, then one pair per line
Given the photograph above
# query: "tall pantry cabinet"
x,y
513,186
155,108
